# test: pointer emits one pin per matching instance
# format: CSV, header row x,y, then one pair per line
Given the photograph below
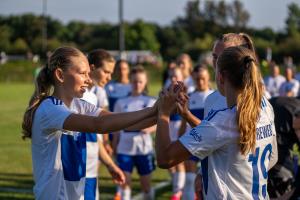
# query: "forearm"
x,y
182,128
168,153
104,157
191,119
119,121
148,122
162,139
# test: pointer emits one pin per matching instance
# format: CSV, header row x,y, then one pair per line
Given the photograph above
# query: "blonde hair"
x,y
60,58
239,65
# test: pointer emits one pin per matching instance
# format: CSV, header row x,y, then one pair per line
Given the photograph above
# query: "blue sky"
x,y
263,13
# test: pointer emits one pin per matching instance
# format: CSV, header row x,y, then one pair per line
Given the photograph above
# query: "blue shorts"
x,y
144,163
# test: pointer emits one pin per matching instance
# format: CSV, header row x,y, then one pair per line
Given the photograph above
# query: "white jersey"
x,y
196,103
136,142
227,174
273,84
92,148
101,96
115,91
59,156
214,101
289,86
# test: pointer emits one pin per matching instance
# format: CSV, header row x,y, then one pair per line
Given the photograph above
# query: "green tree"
x,y
141,36
293,20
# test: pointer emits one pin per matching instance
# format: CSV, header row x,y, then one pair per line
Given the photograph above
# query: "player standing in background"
x,y
135,148
274,81
239,140
290,87
185,63
120,87
196,106
94,143
102,66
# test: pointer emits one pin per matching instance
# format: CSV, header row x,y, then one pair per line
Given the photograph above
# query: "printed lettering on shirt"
x,y
195,135
264,132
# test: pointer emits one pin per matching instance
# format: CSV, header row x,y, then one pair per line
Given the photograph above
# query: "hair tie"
x,y
247,61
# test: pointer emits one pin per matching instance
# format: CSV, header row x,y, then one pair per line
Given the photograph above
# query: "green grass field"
x,y
15,156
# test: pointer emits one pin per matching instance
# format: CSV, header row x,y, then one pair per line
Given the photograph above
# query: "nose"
x,y
88,79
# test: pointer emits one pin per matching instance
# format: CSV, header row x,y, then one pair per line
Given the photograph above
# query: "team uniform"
x,y
226,173
289,86
115,91
273,84
135,148
101,96
59,156
214,101
91,191
196,106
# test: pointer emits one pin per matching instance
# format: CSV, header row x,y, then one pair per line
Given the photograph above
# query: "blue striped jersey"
x,y
59,156
115,91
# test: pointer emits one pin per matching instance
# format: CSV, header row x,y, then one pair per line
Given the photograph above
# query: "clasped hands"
x,y
173,100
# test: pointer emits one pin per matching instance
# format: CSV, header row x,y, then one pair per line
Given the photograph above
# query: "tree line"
x,y
192,33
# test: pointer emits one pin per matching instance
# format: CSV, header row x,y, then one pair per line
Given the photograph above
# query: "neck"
x,y
123,80
135,93
61,95
231,96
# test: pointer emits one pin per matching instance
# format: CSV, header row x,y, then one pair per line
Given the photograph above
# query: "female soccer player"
x,y
196,105
57,122
135,148
237,144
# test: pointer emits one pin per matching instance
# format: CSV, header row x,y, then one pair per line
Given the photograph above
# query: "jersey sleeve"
x,y
90,109
53,116
118,107
204,139
151,102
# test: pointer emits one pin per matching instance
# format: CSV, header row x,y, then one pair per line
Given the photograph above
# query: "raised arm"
x,y
168,153
107,122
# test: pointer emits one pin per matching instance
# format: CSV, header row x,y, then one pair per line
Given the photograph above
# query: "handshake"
x,y
173,100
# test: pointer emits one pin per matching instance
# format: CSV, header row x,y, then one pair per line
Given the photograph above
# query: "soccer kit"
x,y
115,91
135,148
273,84
289,86
91,191
59,156
101,96
226,173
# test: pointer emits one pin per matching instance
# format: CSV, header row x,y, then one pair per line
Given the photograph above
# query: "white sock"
x,y
149,195
126,194
178,181
189,187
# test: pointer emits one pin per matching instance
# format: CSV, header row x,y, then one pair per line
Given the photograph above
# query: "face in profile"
x,y
102,75
75,79
123,70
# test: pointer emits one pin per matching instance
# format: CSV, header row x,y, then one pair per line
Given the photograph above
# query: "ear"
x,y
92,67
59,75
221,78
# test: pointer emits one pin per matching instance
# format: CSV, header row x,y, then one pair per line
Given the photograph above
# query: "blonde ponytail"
x,y
239,66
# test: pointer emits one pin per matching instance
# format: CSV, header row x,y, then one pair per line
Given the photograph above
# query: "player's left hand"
x,y
116,174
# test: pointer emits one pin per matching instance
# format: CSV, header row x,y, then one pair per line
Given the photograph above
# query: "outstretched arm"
x,y
107,122
168,153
